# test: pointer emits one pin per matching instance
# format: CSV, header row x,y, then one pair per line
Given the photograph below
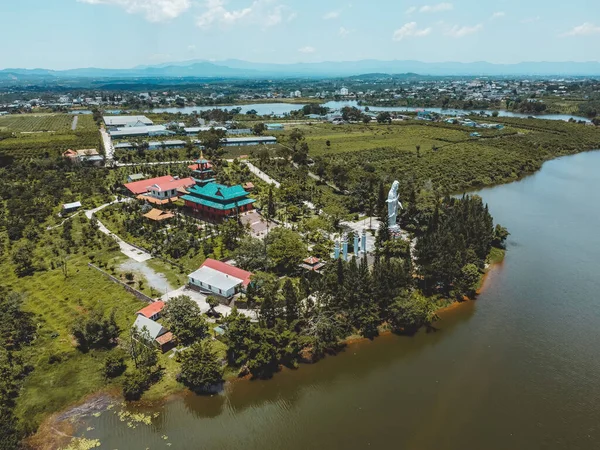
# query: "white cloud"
x,y
498,14
531,20
331,15
411,10
260,12
410,30
344,32
440,7
585,29
191,48
458,32
153,10
307,49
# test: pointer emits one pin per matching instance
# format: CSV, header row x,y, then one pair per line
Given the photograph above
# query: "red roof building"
x,y
160,187
153,310
228,270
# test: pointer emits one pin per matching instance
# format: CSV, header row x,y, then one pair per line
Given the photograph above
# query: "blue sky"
x,y
59,34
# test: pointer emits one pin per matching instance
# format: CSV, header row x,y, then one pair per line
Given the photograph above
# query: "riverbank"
x,y
59,429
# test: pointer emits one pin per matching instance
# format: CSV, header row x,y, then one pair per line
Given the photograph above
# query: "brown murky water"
x,y
518,369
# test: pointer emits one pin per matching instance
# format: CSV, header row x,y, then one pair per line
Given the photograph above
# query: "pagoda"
x,y
216,201
202,171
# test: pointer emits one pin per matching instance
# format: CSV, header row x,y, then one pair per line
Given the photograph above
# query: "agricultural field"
x,y
45,135
437,155
406,136
36,123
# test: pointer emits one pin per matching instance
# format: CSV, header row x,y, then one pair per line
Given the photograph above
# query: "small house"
x,y
216,277
152,311
70,207
158,335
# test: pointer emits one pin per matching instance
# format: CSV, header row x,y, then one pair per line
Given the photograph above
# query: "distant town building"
x,y
274,126
344,91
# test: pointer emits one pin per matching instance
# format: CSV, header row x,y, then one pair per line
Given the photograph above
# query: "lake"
x,y
279,109
452,112
516,369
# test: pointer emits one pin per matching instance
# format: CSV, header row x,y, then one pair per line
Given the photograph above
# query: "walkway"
x,y
263,176
109,150
200,299
127,249
156,163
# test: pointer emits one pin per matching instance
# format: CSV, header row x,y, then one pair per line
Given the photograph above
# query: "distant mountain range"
x,y
233,68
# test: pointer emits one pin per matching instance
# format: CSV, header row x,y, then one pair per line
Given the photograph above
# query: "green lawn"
x,y
57,303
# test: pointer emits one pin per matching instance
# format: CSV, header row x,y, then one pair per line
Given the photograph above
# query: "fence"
x,y
130,289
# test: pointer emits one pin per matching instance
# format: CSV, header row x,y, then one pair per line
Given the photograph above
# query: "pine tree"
x,y
292,304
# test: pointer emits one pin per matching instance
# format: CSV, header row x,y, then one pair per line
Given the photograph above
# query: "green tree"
x,y
135,384
409,312
259,128
285,249
95,330
22,258
201,370
142,349
184,318
251,254
114,365
292,303
468,281
213,302
384,117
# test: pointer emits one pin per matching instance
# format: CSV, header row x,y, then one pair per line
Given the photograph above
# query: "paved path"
x,y
157,163
109,150
200,299
74,124
127,249
263,176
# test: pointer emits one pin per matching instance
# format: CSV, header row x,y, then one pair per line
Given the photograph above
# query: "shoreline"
x,y
60,426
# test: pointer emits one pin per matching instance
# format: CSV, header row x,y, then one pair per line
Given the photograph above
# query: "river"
x,y
516,369
280,109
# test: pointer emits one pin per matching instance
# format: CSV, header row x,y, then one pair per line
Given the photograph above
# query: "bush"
x,y
114,365
135,384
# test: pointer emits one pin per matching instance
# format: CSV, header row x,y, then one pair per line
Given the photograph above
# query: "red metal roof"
x,y
165,183
152,309
229,270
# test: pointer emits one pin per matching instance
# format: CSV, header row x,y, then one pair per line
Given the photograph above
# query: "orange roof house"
x,y
161,187
153,310
158,215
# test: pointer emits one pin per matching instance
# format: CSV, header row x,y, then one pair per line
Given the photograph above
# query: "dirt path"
x,y
74,124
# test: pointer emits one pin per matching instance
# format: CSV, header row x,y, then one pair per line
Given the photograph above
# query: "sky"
x,y
61,34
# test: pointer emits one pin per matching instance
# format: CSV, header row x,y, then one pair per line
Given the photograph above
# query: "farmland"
x,y
36,123
45,135
442,154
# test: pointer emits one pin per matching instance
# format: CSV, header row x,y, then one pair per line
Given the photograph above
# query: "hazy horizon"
x,y
121,34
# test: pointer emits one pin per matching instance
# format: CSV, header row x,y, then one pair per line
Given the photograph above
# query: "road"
x,y
109,150
74,124
157,163
127,249
263,176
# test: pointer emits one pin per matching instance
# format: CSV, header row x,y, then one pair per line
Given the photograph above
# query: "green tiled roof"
x,y
216,205
212,190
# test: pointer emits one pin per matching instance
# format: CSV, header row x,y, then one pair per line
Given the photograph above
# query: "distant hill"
x,y
233,68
